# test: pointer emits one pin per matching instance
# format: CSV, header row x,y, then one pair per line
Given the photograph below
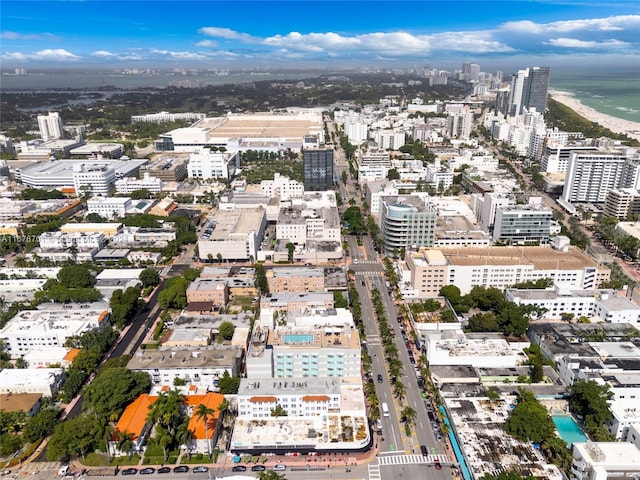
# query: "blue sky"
x,y
316,34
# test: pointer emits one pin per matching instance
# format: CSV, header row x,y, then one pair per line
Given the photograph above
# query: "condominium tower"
x,y
529,88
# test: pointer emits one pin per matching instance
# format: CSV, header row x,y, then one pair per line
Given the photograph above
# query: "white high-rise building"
x,y
590,175
50,126
459,124
205,164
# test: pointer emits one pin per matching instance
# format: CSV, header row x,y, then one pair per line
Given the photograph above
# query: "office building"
x,y
406,221
50,126
318,170
529,89
522,224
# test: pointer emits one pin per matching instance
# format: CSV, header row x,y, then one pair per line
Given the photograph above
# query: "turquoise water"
x,y
615,92
568,429
297,338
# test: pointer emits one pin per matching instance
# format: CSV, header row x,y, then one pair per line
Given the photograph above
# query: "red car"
x,y
437,465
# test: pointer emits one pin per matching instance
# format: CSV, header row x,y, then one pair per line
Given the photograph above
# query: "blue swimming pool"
x,y
568,429
297,338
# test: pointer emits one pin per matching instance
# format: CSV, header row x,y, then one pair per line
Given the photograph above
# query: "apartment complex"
x,y
406,221
529,89
295,279
50,126
622,203
604,460
590,175
429,270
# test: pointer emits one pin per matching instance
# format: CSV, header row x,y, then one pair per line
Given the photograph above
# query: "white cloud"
x,y
576,43
48,54
184,55
607,24
207,43
9,35
115,56
226,33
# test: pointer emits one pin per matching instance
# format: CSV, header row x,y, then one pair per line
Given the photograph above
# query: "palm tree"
x,y
408,416
399,390
369,389
203,413
164,439
125,443
21,262
185,436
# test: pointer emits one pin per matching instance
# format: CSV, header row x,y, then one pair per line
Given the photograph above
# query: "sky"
x,y
245,34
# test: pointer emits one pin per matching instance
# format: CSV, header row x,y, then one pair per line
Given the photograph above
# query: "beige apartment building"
x,y
428,270
208,290
295,279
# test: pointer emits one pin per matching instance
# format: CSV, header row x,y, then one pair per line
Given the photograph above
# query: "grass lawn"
x,y
125,460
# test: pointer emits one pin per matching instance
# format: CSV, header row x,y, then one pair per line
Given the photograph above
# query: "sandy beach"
x,y
616,125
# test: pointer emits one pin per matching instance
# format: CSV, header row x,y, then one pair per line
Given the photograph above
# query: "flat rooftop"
x,y
286,126
235,222
308,338
290,386
542,258
294,272
185,357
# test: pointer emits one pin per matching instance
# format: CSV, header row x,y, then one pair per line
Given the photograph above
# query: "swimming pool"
x,y
297,338
568,429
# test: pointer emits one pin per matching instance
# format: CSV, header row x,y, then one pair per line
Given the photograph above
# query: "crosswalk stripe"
x,y
374,472
410,459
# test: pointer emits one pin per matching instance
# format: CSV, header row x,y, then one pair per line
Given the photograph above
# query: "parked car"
x,y
163,470
379,425
181,469
201,469
279,467
258,468
239,468
129,471
147,471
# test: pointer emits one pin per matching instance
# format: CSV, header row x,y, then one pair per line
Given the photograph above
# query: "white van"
x,y
385,410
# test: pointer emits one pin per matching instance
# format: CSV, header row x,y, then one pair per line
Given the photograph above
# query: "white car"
x,y
279,467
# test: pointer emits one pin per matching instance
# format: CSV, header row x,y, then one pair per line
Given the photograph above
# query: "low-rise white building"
x,y
46,381
147,182
109,207
604,460
51,327
624,414
52,240
235,235
200,366
205,164
282,187
600,305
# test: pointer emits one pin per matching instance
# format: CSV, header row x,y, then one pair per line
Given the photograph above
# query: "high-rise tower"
x,y
529,89
50,126
318,170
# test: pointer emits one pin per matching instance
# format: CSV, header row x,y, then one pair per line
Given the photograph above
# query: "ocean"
x,y
615,93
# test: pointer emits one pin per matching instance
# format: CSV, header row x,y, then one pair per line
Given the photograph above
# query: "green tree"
x,y
227,384
76,276
113,389
41,425
278,411
203,414
125,442
290,250
529,420
452,294
95,218
262,284
589,399
271,475
226,330
149,277
338,299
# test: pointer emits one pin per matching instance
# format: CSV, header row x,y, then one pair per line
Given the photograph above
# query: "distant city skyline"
x,y
310,34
